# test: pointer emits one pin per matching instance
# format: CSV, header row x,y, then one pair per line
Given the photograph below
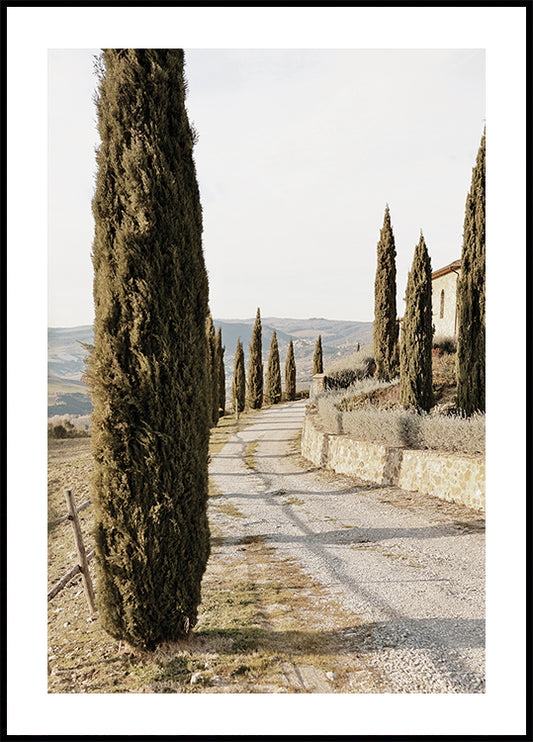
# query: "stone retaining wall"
x,y
452,477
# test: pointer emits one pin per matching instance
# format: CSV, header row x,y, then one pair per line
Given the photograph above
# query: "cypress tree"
x,y
470,359
147,370
238,387
221,375
385,326
416,374
318,366
273,376
213,395
290,374
255,367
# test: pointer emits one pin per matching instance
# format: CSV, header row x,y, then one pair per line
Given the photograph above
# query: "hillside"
x,y
66,352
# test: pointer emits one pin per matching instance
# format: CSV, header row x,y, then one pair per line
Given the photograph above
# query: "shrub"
x,y
394,427
445,344
399,427
342,378
65,429
454,433
80,422
362,392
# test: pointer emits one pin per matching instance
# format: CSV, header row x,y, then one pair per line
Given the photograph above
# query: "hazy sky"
x,y
299,151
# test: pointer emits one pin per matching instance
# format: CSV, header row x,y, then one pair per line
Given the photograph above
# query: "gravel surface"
x,y
410,569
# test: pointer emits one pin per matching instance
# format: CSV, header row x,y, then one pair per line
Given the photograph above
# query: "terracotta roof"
x,y
455,266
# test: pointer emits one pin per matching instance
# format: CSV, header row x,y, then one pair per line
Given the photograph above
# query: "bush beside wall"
x,y
452,477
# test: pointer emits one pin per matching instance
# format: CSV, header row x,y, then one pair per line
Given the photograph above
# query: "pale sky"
x,y
299,151
296,161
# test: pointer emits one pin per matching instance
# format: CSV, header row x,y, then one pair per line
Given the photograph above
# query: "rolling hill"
x,y
67,393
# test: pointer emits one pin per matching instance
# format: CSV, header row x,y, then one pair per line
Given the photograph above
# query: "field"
x,y
264,626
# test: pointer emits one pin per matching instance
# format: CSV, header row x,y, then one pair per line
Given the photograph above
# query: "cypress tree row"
x,y
318,366
385,326
470,359
416,373
221,375
273,376
238,387
147,370
213,395
290,374
255,367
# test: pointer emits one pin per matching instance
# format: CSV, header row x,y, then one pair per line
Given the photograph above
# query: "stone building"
x,y
444,299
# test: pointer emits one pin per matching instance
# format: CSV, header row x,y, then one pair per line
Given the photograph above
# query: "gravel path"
x,y
409,568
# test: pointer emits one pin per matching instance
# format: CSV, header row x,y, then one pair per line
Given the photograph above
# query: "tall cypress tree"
x,y
213,395
385,326
470,363
318,365
273,376
255,367
290,374
147,370
238,387
221,374
416,374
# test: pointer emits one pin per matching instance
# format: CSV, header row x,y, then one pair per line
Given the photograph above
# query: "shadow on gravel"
x,y
355,536
364,638
307,493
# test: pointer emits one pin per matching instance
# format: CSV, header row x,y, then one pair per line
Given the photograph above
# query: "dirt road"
x,y
408,568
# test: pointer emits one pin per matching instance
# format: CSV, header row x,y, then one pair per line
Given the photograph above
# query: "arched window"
x,y
442,304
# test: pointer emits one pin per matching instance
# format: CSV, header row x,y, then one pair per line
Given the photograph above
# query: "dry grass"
x,y
264,625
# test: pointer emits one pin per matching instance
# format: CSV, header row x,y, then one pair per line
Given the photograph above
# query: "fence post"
x,y
83,562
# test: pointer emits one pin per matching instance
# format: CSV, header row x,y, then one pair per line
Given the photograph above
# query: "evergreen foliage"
x,y
255,367
147,370
273,376
385,325
238,387
221,375
290,374
318,366
213,370
416,374
470,364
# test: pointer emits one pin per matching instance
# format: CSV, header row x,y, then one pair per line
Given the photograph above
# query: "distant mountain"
x,y
66,352
339,338
67,394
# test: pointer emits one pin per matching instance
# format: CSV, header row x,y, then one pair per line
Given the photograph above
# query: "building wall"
x,y
445,325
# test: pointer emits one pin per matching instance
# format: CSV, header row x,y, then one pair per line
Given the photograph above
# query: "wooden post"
x,y
83,562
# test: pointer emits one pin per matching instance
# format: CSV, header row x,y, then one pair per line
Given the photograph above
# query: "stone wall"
x,y
453,477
